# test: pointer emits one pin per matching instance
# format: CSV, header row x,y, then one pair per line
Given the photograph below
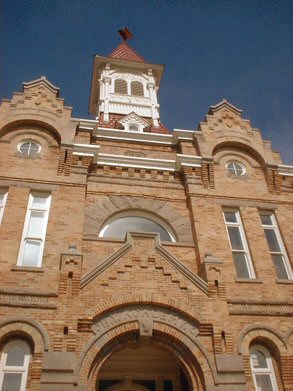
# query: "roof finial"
x,y
125,34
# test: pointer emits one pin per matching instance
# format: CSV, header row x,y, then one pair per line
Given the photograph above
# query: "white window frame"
x,y
138,213
283,252
263,371
23,370
2,205
42,236
241,165
31,142
245,250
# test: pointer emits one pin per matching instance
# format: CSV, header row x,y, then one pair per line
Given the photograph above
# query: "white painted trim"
x,y
285,170
104,159
263,371
23,369
42,235
245,250
2,206
283,252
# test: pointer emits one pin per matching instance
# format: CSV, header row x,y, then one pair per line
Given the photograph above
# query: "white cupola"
x,y
124,84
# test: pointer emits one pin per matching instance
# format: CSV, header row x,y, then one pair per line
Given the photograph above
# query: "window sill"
x,y
249,280
283,281
27,269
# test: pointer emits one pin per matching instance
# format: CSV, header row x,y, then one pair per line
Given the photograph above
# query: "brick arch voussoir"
x,y
28,328
261,333
93,355
44,123
100,212
242,146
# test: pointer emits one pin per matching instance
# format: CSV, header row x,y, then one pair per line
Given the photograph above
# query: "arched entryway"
x,y
148,345
142,367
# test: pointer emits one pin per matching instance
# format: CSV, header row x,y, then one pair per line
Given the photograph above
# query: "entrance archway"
x,y
170,334
142,368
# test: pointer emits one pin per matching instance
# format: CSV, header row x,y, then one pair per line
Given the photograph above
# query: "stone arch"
x,y
96,214
25,122
28,328
259,332
165,328
242,147
154,299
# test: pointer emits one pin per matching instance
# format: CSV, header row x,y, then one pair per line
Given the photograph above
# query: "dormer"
x,y
134,123
125,83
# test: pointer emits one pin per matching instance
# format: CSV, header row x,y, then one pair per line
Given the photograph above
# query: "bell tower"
x,y
124,90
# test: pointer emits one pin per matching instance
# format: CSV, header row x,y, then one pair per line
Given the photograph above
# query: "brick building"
x,y
135,258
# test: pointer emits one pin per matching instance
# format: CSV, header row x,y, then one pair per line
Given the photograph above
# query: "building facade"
x,y
135,258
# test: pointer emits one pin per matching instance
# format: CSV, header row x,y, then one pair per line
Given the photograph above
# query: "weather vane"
x,y
125,34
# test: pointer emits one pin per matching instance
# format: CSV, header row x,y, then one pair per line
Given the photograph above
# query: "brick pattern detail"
x,y
61,161
287,372
274,181
36,369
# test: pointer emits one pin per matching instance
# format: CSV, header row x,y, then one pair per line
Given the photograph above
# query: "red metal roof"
x,y
126,53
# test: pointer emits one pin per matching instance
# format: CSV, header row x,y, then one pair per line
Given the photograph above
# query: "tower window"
x,y
34,231
133,127
14,366
276,245
3,198
29,147
238,243
136,88
236,168
120,87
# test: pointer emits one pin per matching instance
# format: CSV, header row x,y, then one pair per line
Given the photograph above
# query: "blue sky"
x,y
238,50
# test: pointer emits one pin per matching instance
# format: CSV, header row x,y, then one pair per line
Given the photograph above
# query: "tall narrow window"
x,y
34,232
276,246
238,243
262,369
121,86
14,366
3,198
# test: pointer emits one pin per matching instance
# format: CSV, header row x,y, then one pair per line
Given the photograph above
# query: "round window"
x,y
236,168
29,147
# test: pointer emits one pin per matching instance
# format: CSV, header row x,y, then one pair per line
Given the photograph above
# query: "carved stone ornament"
x,y
146,316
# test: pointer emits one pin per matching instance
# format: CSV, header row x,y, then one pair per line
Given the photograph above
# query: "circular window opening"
x,y
29,148
236,168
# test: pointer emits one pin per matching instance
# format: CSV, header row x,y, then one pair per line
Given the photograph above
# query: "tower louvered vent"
x,y
136,88
120,86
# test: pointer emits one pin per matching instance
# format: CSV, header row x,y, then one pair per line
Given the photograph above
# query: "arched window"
x,y
262,369
136,88
14,366
136,221
120,86
133,127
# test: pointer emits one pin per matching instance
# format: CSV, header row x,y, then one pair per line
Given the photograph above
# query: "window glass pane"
x,y
230,217
241,265
259,360
264,383
1,199
266,219
36,224
280,267
39,202
120,227
11,382
235,238
31,252
15,356
272,240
